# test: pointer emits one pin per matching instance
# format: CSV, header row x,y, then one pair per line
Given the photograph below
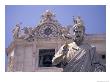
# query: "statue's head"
x,y
78,33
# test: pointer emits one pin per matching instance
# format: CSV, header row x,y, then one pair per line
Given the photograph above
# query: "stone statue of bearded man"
x,y
78,56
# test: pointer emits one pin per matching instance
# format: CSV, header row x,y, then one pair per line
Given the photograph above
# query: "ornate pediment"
x,y
48,27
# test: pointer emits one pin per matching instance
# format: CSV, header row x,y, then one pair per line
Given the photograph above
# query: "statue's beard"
x,y
78,40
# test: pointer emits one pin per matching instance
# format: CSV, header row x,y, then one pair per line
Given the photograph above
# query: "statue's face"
x,y
78,36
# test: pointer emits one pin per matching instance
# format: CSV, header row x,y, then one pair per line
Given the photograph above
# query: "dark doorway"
x,y
45,57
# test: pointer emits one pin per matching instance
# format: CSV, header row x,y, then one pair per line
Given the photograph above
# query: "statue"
x,y
48,16
29,33
16,31
78,56
65,33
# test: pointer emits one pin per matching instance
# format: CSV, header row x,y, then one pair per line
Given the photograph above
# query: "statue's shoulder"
x,y
70,44
73,46
89,46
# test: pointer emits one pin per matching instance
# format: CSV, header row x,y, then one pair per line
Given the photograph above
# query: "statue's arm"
x,y
92,53
94,56
58,57
98,67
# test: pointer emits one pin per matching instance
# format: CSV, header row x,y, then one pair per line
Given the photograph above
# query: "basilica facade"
x,y
32,49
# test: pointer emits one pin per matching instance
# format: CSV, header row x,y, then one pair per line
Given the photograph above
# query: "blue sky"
x,y
94,17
